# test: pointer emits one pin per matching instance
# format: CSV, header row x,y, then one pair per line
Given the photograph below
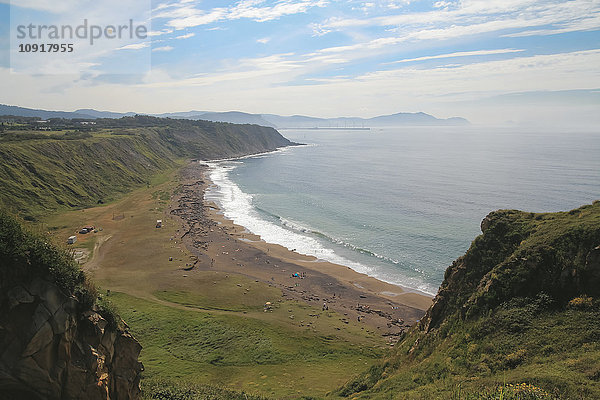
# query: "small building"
x,y
71,239
159,223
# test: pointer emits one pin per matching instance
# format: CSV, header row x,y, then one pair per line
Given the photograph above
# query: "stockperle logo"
x,y
74,37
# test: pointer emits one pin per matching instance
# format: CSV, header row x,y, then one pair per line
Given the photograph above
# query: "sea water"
x,y
401,204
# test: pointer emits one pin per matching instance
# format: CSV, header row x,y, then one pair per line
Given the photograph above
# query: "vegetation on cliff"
x,y
57,339
72,165
25,256
518,316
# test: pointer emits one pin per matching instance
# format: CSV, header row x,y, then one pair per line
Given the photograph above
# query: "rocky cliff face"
x,y
50,350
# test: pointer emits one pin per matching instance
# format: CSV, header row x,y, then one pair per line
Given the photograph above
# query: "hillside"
x,y
32,112
235,118
74,165
269,120
398,119
517,316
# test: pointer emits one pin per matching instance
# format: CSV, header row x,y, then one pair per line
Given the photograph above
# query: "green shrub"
x,y
25,256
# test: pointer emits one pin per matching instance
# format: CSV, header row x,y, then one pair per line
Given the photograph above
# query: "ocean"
x,y
400,204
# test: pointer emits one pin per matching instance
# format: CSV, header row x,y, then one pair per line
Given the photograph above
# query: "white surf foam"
x,y
237,206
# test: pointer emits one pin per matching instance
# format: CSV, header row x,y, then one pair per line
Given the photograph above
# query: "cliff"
x,y
62,168
522,255
516,317
56,340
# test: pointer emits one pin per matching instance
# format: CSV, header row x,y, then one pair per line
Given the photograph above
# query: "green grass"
x,y
41,176
522,306
53,171
261,354
558,352
161,389
222,292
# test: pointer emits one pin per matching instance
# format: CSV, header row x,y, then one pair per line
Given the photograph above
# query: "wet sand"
x,y
220,245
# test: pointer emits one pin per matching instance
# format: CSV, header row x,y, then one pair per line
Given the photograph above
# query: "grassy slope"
x,y
43,175
48,172
200,328
260,354
504,315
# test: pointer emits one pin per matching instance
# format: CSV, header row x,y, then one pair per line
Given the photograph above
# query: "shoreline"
x,y
257,239
221,245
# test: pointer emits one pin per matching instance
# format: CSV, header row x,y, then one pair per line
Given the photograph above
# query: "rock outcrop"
x,y
50,349
521,254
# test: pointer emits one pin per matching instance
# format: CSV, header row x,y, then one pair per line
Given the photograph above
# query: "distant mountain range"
x,y
270,120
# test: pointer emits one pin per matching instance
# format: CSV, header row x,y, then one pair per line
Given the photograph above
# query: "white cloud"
x,y
134,46
319,30
186,36
442,4
590,23
470,17
459,54
444,91
185,14
467,18
282,82
55,7
163,48
160,33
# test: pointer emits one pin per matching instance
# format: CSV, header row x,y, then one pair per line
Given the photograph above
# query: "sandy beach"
x,y
220,245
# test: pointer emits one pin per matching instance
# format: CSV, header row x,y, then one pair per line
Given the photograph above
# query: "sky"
x,y
491,61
